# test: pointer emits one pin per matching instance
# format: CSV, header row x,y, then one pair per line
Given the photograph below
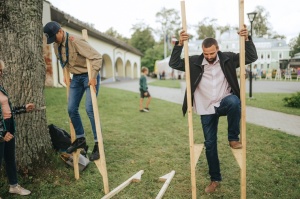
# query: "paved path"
x,y
271,119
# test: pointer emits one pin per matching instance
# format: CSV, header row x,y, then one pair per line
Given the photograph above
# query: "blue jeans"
x,y
230,106
78,86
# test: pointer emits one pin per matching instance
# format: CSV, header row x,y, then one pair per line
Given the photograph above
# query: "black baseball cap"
x,y
50,30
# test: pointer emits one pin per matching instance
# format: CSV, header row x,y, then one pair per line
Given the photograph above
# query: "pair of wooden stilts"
x,y
195,149
100,163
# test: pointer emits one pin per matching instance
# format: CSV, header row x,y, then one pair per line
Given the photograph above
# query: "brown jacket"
x,y
79,51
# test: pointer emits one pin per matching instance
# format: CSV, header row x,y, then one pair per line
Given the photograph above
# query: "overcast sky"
x,y
122,14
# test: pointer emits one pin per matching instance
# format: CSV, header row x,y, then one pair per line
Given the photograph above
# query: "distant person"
x,y
163,75
254,72
72,52
7,137
215,92
144,93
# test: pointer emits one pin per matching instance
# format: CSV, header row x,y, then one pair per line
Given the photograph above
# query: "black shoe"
x,y
78,143
95,153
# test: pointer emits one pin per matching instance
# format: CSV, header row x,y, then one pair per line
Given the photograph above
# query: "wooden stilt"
x,y
72,130
243,101
189,103
167,179
101,163
135,178
197,151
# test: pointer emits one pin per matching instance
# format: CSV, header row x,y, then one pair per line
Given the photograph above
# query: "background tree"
x,y
21,38
142,38
169,21
275,35
205,28
261,25
223,29
153,54
113,33
295,46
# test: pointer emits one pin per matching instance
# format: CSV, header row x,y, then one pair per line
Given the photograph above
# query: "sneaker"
x,y
95,153
143,111
19,190
146,109
212,187
78,143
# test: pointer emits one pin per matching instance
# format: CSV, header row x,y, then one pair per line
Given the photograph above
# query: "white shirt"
x,y
212,88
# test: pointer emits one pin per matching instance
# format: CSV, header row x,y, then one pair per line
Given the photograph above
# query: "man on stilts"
x,y
72,52
215,92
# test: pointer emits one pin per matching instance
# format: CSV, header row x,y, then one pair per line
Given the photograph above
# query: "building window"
x,y
262,66
280,55
268,56
262,56
268,65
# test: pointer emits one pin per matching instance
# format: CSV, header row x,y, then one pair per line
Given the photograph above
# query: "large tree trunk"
x,y
21,39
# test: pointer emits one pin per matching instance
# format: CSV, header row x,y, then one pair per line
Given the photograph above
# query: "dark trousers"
x,y
8,152
230,106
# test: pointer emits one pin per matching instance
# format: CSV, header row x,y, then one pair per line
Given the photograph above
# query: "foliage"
x,y
293,101
295,46
157,142
151,55
278,36
260,23
226,28
206,28
113,33
169,21
142,39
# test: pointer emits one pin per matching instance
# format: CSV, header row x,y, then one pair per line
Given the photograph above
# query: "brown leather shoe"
x,y
235,144
212,187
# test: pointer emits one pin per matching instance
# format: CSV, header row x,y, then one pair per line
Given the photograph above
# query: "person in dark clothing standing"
x,y
215,92
144,90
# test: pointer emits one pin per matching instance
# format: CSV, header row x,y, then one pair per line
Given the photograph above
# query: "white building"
x,y
120,60
269,51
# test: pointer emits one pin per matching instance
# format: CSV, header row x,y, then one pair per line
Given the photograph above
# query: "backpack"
x,y
60,139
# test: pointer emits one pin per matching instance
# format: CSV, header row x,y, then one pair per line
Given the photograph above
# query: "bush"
x,y
293,101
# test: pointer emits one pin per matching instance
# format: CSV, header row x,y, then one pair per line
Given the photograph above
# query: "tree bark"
x,y
21,39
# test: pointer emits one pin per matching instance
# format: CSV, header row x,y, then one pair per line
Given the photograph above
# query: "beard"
x,y
211,60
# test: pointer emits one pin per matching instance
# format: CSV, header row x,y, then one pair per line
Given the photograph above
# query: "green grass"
x,y
272,101
158,142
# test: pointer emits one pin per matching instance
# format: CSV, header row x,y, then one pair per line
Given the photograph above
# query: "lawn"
x,y
157,142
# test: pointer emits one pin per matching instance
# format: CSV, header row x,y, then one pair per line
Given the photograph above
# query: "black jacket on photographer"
x,y
229,62
14,110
